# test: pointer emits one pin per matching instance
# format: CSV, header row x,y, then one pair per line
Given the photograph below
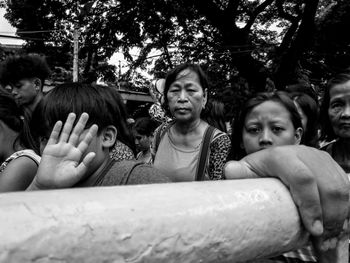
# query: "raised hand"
x,y
63,163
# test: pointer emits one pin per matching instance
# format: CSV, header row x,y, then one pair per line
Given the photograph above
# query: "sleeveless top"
x,y
28,153
179,165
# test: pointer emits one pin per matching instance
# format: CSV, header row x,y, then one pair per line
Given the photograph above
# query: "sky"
x,y
7,29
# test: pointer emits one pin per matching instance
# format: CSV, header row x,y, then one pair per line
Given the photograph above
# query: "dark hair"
x,y
310,108
215,114
173,74
117,108
103,104
14,117
18,67
304,88
281,97
145,126
327,132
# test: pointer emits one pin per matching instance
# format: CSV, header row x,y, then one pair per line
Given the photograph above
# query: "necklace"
x,y
171,138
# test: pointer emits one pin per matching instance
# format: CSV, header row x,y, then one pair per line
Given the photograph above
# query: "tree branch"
x,y
290,60
232,8
283,14
260,8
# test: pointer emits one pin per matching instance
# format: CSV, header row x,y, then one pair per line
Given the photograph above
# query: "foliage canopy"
x,y
245,46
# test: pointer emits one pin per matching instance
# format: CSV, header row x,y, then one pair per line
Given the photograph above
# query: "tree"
x,y
243,45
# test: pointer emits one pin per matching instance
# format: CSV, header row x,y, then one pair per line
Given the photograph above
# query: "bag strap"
x,y
103,172
204,153
158,137
131,167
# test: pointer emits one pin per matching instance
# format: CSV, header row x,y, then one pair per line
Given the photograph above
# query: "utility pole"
x,y
75,54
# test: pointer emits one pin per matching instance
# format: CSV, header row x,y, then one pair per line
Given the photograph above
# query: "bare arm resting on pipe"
x,y
318,185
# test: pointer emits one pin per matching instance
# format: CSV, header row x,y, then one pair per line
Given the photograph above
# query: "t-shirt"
x,y
128,173
180,164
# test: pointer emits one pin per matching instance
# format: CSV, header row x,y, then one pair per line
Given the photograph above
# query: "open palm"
x,y
62,164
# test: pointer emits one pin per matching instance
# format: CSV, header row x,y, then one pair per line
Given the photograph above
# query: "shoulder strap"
x,y
204,153
27,153
103,173
131,167
120,171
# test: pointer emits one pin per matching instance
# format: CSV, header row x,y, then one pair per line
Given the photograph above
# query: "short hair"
x,y
327,132
14,117
18,67
145,126
310,107
172,75
103,104
281,97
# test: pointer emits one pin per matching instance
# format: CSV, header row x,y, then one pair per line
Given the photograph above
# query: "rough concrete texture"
x,y
224,221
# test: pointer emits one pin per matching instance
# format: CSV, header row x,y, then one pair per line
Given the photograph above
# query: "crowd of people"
x,y
77,135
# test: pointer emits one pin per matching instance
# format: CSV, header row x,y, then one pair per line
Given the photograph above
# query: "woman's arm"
x,y
219,150
18,174
318,185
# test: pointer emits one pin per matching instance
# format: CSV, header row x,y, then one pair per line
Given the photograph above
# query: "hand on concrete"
x,y
63,163
318,185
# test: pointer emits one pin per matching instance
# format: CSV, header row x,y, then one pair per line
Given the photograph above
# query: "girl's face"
x,y
186,97
339,109
269,124
142,142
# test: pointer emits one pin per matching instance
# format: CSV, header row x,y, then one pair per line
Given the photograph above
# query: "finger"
x,y
78,129
67,128
304,191
334,195
335,210
55,133
238,170
84,144
82,167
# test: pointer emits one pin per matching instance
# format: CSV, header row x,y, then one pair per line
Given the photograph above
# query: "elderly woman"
x,y
335,122
184,149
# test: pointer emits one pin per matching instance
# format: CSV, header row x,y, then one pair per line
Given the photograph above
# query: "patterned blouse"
x,y
121,152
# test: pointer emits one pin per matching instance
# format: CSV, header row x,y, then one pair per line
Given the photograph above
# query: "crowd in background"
x,y
185,137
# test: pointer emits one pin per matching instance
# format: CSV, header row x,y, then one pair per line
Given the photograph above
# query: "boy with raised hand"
x,y
65,150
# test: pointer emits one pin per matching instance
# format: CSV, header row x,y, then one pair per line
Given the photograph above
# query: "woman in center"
x,y
188,148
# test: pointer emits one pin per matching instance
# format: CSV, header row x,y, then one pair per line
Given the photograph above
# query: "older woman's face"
x,y
339,109
186,97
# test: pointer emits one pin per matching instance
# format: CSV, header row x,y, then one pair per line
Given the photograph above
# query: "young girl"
x,y
143,131
19,162
268,119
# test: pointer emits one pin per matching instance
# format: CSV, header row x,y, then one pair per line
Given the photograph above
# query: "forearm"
x,y
35,186
238,170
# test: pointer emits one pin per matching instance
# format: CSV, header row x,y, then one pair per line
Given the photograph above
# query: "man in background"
x,y
24,77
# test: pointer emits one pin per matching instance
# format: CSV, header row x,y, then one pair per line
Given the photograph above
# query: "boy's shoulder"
x,y
130,173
